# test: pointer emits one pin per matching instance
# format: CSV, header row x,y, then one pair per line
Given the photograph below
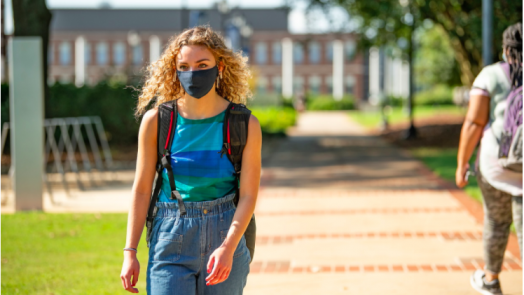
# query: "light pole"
x,y
411,133
487,31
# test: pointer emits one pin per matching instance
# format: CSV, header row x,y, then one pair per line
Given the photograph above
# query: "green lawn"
x,y
444,163
398,115
65,254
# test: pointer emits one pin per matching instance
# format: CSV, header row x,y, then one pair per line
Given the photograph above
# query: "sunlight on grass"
x,y
444,163
65,253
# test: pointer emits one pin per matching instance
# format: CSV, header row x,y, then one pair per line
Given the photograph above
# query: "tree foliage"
x,y
387,22
435,58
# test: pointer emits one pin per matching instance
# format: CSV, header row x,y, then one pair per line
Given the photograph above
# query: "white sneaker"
x,y
486,288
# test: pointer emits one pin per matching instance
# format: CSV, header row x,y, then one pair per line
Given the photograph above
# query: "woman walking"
x,y
197,247
501,188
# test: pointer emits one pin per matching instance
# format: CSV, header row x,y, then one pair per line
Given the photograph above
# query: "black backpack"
x,y
234,137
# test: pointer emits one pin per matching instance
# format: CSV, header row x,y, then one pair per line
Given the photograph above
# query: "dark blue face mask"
x,y
198,83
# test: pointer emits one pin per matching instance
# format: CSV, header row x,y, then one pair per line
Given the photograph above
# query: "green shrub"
x,y
328,103
275,120
395,101
438,95
114,104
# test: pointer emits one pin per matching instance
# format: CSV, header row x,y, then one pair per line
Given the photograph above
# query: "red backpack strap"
x,y
167,121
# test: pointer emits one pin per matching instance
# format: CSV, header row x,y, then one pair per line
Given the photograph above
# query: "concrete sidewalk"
x,y
342,212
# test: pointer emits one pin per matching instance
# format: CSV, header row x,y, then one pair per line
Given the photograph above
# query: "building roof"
x,y
163,19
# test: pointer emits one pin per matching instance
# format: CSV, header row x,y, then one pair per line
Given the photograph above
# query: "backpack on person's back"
x,y
510,144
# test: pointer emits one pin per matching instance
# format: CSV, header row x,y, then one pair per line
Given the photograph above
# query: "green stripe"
x,y
208,188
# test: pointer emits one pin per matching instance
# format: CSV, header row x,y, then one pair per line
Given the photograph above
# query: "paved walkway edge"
x,y
474,208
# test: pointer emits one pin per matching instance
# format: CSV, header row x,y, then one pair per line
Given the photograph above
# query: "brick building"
x,y
87,45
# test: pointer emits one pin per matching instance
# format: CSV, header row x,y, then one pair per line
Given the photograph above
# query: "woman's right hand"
x,y
460,175
131,268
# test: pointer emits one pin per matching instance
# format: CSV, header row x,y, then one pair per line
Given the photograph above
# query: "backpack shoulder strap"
x,y
166,117
234,136
166,125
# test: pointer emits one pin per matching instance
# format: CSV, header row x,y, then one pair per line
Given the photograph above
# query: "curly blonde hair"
x,y
162,83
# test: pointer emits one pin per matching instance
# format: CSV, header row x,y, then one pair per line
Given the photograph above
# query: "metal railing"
x,y
70,137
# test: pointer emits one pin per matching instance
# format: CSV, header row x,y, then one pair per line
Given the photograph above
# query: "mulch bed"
x,y
436,132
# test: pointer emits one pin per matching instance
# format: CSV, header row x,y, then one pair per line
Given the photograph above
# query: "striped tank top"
x,y
201,174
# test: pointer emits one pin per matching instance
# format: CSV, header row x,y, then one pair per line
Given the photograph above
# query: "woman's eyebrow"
x,y
204,59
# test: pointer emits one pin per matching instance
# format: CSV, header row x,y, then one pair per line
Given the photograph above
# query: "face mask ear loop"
x,y
218,79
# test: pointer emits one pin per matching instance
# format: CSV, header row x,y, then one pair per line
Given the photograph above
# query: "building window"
x,y
329,84
119,53
277,53
51,54
314,84
350,49
261,85
298,84
261,53
65,53
87,53
329,51
350,84
314,52
277,84
138,54
102,53
298,53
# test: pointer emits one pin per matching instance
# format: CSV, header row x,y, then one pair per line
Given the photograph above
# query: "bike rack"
x,y
69,142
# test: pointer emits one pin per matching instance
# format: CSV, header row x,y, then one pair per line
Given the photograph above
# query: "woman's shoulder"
x,y
491,70
149,120
490,76
150,116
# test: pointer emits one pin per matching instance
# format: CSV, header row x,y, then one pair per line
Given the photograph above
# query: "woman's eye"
x,y
202,65
183,67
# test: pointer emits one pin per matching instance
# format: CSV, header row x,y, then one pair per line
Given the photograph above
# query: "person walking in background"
x,y
501,187
197,243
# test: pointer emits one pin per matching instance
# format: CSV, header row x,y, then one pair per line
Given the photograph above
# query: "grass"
x,y
65,253
398,115
444,163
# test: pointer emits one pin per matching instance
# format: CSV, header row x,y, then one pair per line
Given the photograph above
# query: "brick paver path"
x,y
342,212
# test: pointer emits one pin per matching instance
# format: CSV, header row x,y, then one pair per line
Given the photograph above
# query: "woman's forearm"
x,y
136,218
243,214
469,138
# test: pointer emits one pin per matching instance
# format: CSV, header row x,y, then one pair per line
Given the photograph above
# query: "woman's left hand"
x,y
219,265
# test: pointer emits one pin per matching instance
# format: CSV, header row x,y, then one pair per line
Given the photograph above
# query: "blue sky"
x,y
316,22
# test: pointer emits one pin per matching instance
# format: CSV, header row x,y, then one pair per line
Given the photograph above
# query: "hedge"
x,y
328,103
115,105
